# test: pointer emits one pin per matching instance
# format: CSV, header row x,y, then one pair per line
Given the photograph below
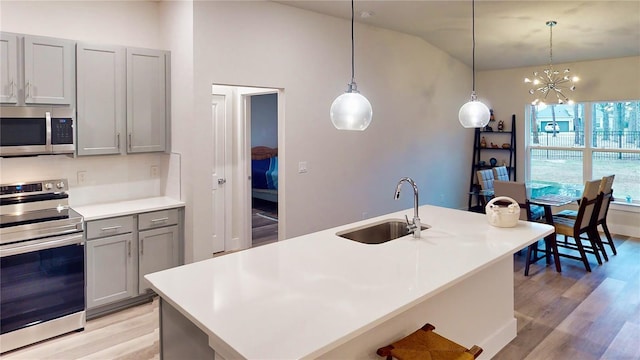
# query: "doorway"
x,y
250,213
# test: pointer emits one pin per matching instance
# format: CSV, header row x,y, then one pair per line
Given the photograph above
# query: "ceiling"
x,y
509,34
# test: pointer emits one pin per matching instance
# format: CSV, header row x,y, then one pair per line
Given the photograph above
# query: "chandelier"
x,y
551,81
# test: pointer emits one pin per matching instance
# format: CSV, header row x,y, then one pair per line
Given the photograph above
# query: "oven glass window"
x,y
22,132
40,286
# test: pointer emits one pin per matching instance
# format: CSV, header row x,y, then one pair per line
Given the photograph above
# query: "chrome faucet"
x,y
415,226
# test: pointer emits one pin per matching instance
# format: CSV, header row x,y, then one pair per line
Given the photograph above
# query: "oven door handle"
x,y
41,244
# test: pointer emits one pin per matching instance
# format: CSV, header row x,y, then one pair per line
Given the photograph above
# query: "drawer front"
x,y
156,219
108,227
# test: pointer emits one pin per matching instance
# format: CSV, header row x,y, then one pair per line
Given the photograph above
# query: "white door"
x,y
221,218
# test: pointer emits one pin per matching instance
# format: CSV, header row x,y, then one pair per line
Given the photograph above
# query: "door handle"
x,y
222,181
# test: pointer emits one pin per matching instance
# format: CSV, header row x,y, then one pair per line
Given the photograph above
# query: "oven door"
x,y
41,280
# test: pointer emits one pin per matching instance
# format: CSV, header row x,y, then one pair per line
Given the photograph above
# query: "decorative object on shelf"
x,y
502,216
494,146
501,126
488,128
482,163
473,114
504,162
491,117
351,110
493,161
551,81
506,145
483,142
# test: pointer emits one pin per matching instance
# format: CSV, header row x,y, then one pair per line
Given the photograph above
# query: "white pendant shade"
x,y
351,111
474,114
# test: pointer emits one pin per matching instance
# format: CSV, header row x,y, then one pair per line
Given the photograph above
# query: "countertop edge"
x,y
126,207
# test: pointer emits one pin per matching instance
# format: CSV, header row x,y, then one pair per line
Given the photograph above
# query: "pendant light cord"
x,y
353,75
551,44
473,46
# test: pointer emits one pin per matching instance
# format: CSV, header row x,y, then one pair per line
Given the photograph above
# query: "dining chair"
x,y
501,173
581,226
518,192
606,191
485,180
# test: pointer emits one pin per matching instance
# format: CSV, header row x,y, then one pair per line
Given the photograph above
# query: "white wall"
x,y
601,80
415,89
137,24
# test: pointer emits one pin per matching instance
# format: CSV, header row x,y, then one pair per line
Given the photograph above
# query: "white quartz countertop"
x,y
128,207
304,296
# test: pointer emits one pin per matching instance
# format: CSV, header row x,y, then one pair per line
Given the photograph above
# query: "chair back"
x,y
515,190
501,173
606,191
586,212
485,179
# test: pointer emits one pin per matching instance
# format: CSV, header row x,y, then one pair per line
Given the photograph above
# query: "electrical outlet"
x,y
82,177
154,171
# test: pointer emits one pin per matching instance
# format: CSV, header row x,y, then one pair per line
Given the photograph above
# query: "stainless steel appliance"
x,y
33,130
42,263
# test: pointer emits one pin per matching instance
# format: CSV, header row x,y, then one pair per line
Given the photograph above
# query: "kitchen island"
x,y
324,296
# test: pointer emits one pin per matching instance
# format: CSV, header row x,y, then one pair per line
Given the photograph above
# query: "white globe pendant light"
x,y
351,110
474,114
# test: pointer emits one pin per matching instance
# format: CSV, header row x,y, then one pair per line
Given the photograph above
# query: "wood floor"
x,y
572,315
264,222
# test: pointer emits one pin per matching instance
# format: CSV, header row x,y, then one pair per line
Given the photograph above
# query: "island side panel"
x,y
479,310
180,338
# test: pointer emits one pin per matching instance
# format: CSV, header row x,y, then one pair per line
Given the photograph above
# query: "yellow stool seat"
x,y
424,344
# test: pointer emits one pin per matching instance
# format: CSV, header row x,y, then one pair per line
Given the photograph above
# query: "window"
x,y
567,144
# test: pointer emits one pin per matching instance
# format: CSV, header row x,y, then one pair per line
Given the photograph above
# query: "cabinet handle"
x,y
111,228
160,220
129,141
141,246
129,247
118,140
13,86
27,94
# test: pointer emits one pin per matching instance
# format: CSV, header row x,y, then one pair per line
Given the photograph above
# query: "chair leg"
x,y
583,254
608,234
598,241
528,261
552,246
594,245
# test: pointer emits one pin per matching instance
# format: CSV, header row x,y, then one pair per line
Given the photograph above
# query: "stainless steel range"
x,y
42,270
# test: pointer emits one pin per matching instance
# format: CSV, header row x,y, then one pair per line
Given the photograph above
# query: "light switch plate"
x,y
302,167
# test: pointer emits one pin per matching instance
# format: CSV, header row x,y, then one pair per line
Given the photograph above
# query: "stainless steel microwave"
x,y
26,131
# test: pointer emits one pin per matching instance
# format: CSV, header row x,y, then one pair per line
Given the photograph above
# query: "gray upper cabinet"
x,y
37,70
101,101
49,70
146,100
8,68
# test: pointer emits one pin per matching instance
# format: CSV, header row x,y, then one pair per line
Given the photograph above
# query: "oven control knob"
x,y
48,186
60,185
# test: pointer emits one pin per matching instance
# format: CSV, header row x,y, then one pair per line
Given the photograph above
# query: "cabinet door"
x,y
159,250
8,68
101,99
110,269
146,100
49,70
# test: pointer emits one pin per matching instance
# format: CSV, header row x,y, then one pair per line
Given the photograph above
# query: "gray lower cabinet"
x,y
122,250
159,250
110,270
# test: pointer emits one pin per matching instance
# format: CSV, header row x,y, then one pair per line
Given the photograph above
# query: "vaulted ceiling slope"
x,y
509,34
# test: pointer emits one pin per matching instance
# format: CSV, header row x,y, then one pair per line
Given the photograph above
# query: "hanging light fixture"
x,y
473,114
551,81
351,110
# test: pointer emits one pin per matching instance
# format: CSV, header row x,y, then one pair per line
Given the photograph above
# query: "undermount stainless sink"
x,y
379,232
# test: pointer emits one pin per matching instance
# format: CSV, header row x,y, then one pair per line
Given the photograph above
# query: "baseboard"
x,y
495,342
